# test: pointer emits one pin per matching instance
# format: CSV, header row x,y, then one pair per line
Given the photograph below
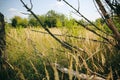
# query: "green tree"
x,y
32,21
18,21
23,22
50,22
59,23
14,22
61,20
42,18
51,18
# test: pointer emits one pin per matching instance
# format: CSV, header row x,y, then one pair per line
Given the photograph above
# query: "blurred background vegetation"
x,y
31,51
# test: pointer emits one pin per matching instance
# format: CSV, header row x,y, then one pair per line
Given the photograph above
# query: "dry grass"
x,y
32,52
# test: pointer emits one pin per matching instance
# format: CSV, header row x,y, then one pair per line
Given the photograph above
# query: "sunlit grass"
x,y
32,52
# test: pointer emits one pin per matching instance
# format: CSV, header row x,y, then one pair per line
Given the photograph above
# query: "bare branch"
x,y
63,43
110,23
85,18
25,13
94,32
71,36
78,5
98,9
101,15
31,4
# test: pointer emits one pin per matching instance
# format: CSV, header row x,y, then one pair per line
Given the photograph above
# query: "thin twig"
x,y
71,36
85,18
101,15
78,5
31,4
25,13
63,43
94,32
98,9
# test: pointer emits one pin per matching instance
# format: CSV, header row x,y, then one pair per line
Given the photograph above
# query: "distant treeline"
x,y
50,19
54,19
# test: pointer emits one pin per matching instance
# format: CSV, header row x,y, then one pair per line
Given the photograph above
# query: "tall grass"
x,y
32,54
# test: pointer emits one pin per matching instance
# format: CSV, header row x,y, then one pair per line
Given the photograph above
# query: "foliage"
x,y
116,21
50,19
14,22
32,21
18,21
59,23
102,24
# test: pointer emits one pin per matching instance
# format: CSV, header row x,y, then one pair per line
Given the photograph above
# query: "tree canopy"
x,y
17,21
50,19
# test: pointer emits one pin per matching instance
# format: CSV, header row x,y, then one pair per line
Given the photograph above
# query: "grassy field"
x,y
31,55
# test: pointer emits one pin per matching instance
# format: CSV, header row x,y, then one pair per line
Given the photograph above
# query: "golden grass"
x,y
24,44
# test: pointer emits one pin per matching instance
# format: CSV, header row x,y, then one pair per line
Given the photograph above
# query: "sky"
x,y
11,8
